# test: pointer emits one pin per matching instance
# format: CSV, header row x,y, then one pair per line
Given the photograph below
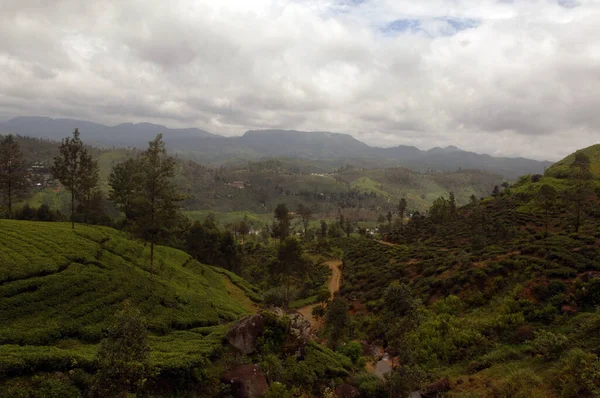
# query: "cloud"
x,y
502,77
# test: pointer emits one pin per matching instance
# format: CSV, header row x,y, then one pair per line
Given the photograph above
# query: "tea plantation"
x,y
59,288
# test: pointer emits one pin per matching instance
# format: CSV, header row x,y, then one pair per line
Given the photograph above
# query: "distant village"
x,y
40,176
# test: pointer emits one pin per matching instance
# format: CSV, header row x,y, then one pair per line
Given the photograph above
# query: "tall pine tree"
x,y
13,174
76,171
143,189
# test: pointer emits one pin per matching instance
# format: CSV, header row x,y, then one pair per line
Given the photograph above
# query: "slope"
x,y
507,310
59,288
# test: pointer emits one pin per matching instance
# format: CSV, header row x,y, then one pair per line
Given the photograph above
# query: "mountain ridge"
x,y
257,144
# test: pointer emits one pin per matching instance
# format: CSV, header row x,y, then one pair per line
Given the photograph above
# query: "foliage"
x,y
337,320
57,286
76,171
123,357
13,175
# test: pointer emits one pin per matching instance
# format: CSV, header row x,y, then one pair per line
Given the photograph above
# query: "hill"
x,y
507,310
334,149
59,288
561,168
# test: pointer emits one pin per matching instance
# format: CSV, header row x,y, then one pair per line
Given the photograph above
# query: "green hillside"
x,y
507,310
561,169
59,288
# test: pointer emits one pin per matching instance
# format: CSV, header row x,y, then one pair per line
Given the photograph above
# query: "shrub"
x,y
277,390
549,344
369,385
577,375
352,350
522,383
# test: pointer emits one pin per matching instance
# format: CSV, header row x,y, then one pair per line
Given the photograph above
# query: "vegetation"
x,y
12,172
76,171
494,298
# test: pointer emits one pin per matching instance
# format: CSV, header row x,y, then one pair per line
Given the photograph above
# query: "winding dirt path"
x,y
334,286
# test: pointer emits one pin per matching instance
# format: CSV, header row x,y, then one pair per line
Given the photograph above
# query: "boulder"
x,y
300,328
346,391
436,389
246,381
244,334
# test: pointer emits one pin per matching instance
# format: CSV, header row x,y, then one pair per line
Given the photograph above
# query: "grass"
x,y
59,285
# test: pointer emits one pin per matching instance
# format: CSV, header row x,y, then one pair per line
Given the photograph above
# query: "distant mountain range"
x,y
335,148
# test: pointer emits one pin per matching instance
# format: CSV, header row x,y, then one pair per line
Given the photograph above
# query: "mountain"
x,y
335,148
125,134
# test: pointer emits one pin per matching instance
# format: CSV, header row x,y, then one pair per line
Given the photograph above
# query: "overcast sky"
x,y
504,77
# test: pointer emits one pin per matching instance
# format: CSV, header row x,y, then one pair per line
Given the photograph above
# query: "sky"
x,y
504,77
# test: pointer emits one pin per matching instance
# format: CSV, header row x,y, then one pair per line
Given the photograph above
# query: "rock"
x,y
434,389
246,381
300,328
346,391
244,334
415,394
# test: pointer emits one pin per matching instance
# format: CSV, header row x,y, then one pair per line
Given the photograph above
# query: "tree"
x,y
439,212
13,175
389,219
580,191
159,197
123,357
291,265
150,199
452,206
323,229
282,216
496,191
124,182
546,199
402,210
244,228
337,320
87,190
75,170
400,309
305,214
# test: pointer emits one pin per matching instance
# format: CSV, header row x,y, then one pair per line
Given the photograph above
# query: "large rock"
x,y
246,381
244,334
346,391
436,389
300,328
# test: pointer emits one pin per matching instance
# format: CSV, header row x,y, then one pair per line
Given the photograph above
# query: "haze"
x,y
511,78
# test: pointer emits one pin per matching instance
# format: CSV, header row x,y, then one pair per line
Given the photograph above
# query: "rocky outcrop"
x,y
346,391
300,328
244,334
246,381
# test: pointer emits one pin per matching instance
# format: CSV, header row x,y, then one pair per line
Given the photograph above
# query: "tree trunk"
x,y
72,207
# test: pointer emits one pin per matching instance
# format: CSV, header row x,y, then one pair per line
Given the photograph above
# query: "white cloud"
x,y
502,77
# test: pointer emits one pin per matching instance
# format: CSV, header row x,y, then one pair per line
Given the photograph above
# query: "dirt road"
x,y
334,286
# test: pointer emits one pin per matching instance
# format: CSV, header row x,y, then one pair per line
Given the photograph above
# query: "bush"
x,y
277,390
522,383
352,350
577,375
549,344
369,385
